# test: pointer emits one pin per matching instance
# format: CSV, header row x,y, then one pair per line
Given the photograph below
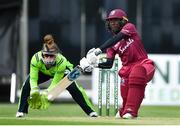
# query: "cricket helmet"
x,y
49,50
119,15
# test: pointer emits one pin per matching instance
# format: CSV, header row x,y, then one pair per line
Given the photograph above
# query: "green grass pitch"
x,y
71,114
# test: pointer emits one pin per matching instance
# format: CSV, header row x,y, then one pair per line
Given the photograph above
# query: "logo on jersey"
x,y
128,43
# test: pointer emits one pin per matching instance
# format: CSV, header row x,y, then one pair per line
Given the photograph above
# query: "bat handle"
x,y
75,73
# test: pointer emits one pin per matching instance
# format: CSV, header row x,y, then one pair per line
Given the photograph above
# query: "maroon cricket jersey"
x,y
130,50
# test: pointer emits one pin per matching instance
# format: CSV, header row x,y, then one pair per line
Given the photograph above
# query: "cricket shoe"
x,y
128,116
117,116
93,114
20,115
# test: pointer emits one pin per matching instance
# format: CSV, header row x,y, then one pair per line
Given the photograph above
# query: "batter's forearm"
x,y
112,41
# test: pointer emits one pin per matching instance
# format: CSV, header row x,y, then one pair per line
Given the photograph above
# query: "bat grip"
x,y
75,73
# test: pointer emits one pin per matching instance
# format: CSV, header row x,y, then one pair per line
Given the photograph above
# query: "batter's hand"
x,y
96,51
92,56
85,65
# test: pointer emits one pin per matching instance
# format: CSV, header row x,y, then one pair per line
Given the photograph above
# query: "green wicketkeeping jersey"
x,y
56,71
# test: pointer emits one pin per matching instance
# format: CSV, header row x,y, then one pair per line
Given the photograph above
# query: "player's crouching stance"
x,y
49,64
137,69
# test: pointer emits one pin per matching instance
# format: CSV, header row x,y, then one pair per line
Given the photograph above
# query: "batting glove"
x,y
96,51
85,65
92,56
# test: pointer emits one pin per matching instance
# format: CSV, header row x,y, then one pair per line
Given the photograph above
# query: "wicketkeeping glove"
x,y
38,100
34,100
44,100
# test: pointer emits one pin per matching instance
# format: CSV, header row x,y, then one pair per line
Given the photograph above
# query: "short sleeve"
x,y
129,29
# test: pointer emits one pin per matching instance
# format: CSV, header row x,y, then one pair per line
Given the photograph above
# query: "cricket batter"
x,y
50,64
137,69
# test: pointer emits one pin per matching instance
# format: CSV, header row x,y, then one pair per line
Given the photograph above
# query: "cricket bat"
x,y
64,83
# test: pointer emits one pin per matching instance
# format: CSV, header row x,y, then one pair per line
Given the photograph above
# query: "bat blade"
x,y
64,83
61,86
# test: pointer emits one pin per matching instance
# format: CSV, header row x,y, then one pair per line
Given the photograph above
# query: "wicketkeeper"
x,y
47,64
137,69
